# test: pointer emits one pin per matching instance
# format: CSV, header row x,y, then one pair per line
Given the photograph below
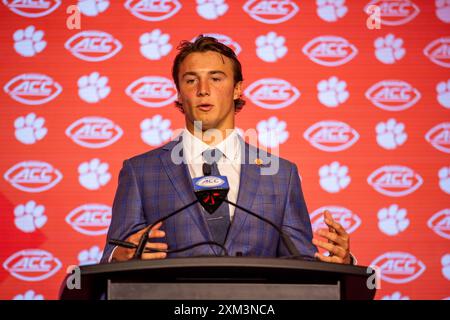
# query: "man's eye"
x,y
190,81
216,79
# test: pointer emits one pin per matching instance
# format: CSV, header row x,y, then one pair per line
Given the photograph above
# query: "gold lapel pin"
x,y
258,161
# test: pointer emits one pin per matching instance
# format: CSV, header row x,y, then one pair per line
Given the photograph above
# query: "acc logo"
x,y
32,9
32,88
439,137
272,93
331,135
226,40
440,223
153,92
271,11
393,95
438,52
90,219
93,45
94,132
153,10
33,176
330,51
399,267
32,265
210,182
395,12
395,181
349,220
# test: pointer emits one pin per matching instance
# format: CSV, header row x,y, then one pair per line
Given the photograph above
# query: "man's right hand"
x,y
124,254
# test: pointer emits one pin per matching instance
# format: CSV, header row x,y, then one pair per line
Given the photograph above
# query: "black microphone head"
x,y
206,169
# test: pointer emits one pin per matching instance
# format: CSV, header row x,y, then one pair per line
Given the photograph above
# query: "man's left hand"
x,y
338,244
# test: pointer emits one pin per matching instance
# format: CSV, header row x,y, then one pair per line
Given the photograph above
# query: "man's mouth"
x,y
205,107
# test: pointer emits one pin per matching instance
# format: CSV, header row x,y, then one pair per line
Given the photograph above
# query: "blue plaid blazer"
x,y
151,186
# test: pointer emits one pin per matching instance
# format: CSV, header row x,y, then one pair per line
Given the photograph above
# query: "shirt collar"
x,y
195,147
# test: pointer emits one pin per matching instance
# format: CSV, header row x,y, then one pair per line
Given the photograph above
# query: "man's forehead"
x,y
205,61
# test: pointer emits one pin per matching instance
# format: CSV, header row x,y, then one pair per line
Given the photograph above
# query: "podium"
x,y
222,278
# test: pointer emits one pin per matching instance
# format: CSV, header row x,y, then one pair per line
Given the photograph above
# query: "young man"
x,y
208,78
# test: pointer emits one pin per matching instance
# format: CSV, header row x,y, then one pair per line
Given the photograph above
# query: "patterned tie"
x,y
219,221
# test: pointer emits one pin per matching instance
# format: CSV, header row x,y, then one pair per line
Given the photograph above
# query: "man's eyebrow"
x,y
193,73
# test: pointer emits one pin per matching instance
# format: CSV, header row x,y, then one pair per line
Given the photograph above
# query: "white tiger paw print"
x,y
93,88
29,295
445,261
443,10
211,9
93,174
332,92
92,8
156,130
331,10
390,134
443,93
444,179
155,44
91,256
392,220
29,217
29,42
30,129
395,296
334,177
270,47
272,132
390,49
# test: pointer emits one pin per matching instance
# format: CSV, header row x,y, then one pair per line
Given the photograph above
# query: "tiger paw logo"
x,y
399,267
33,176
32,265
153,10
271,12
32,9
394,12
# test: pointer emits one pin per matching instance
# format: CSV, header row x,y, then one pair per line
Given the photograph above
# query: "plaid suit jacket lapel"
x,y
248,188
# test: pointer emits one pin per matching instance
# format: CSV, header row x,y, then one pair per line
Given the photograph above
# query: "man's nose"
x,y
203,88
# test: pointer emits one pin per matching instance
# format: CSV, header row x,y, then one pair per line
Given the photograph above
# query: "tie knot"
x,y
211,156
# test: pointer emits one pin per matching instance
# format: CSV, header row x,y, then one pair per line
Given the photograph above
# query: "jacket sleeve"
x,y
296,222
127,211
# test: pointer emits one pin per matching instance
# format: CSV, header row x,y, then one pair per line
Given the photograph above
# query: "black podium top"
x,y
352,279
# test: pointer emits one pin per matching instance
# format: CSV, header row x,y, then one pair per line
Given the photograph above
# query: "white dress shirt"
x,y
229,164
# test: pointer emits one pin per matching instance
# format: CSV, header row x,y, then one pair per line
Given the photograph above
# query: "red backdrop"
x,y
362,111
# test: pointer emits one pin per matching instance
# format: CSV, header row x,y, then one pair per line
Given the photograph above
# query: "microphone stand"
x,y
284,237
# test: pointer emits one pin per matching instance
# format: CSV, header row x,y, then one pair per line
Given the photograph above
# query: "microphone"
x,y
206,169
211,192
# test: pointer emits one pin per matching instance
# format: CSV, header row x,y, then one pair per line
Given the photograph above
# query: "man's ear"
x,y
237,90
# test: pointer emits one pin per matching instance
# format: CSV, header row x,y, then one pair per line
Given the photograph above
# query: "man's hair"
x,y
204,44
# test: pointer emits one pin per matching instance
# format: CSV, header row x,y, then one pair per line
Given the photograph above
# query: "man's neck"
x,y
211,137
